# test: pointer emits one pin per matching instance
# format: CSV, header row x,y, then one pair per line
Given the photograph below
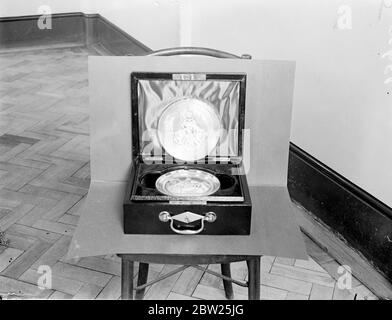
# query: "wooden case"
x,y
225,212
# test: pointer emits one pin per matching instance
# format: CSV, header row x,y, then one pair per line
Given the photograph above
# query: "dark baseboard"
x,y
70,29
352,213
24,31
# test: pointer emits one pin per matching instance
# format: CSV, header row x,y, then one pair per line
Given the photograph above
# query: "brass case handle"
x,y
165,216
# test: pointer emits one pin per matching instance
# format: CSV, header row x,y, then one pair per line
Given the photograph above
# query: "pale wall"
x,y
10,8
342,112
153,22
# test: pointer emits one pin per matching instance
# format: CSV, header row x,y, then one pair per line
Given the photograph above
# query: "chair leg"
x,y
225,268
253,278
126,279
141,279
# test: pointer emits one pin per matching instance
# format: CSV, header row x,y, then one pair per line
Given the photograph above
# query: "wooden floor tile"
x,y
7,256
187,282
309,264
58,283
58,295
176,296
101,265
320,292
161,289
285,283
112,290
54,254
24,261
211,293
80,274
296,296
10,287
270,293
302,274
88,292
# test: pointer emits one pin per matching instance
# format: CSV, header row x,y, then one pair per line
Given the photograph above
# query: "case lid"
x,y
188,117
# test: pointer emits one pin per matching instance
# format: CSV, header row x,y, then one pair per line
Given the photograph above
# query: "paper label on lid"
x,y
189,76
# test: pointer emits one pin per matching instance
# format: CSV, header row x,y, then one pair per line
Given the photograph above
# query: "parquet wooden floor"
x,y
44,176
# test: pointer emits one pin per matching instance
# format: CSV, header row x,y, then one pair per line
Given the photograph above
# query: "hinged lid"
x,y
188,117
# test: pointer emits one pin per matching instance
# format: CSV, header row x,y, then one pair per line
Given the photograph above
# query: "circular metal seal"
x,y
187,183
189,129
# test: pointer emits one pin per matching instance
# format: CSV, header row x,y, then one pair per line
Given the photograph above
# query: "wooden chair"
x,y
127,263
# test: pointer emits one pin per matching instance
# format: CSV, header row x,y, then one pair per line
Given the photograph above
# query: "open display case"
x,y
187,174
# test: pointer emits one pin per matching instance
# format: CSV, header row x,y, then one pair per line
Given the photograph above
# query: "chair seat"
x,y
183,259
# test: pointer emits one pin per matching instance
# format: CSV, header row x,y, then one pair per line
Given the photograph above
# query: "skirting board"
x,y
342,252
338,208
352,213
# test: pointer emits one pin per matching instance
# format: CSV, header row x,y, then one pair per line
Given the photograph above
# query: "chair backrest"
x,y
197,51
